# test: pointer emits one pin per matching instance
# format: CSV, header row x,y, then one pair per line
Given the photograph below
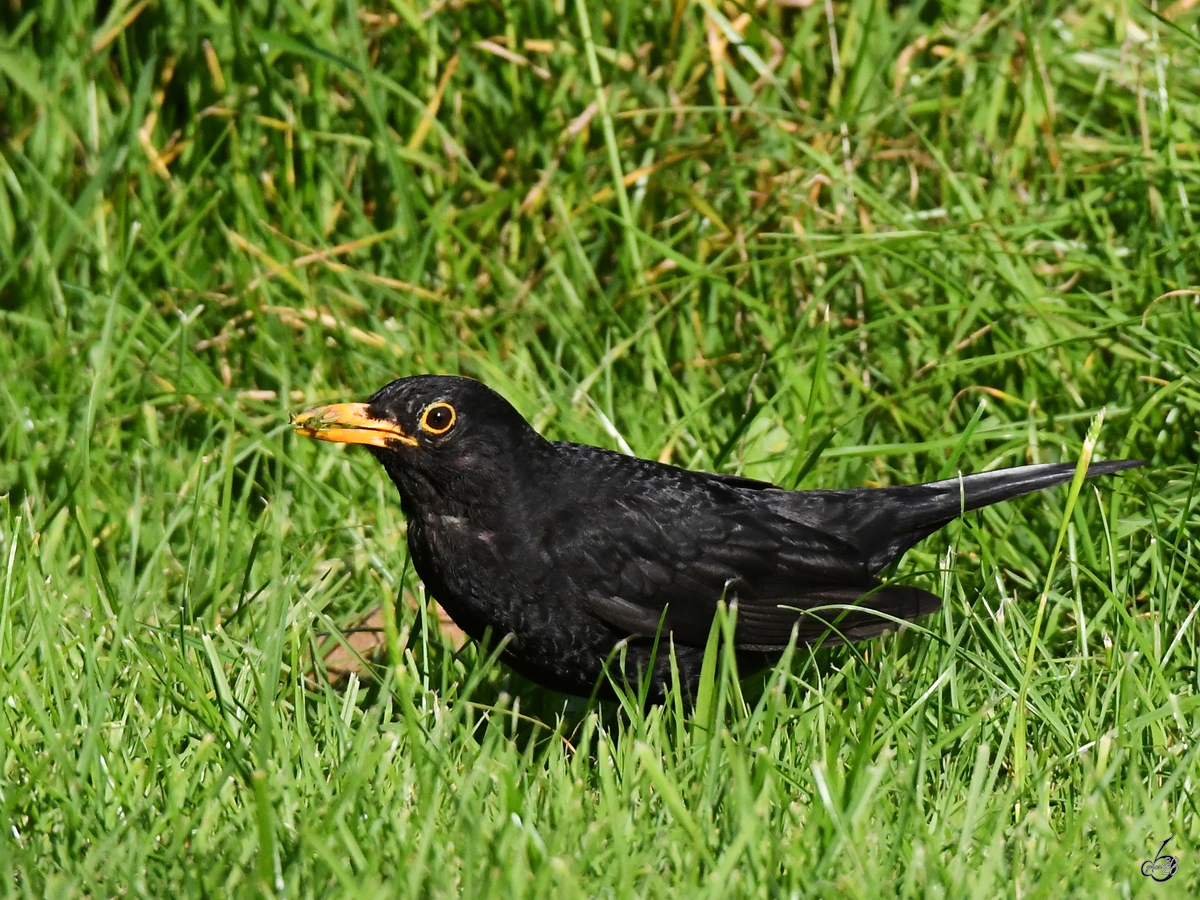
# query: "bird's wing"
x,y
666,556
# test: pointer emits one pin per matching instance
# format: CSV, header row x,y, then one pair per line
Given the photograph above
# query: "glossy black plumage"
x,y
571,550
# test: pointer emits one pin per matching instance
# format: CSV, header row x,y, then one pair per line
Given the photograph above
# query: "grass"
x,y
829,245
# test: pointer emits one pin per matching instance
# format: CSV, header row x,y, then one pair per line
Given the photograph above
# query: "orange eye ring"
x,y
438,418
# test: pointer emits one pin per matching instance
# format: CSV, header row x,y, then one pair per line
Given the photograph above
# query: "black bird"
x,y
573,551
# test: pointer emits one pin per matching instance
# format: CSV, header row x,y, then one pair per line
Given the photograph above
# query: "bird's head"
x,y
441,438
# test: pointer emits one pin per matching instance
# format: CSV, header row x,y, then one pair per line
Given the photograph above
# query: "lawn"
x,y
828,244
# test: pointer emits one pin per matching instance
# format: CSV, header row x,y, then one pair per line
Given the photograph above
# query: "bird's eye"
x,y
438,418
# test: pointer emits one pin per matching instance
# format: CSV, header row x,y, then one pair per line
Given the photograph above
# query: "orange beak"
x,y
349,423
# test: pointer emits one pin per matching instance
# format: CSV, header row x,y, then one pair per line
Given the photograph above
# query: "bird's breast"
x,y
460,530
466,563
455,543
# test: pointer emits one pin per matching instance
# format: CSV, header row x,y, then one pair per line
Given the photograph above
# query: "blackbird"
x,y
583,557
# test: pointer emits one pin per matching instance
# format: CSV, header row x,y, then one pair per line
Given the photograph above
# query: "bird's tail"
x,y
986,488
883,523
